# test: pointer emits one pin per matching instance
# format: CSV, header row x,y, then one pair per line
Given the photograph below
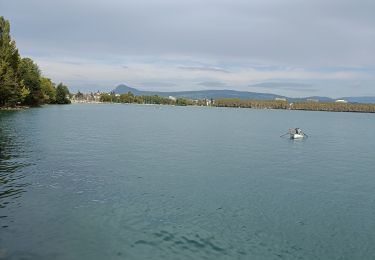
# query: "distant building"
x,y
312,100
86,98
208,102
172,98
97,96
280,99
341,101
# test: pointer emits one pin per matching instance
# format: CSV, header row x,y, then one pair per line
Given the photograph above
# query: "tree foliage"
x,y
48,90
21,82
333,107
9,61
62,94
130,98
247,103
311,106
31,78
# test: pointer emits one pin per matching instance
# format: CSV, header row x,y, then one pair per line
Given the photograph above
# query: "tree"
x,y
62,94
20,79
10,90
29,74
48,90
79,95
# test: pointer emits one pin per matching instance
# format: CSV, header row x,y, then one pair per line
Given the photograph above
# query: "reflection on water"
x,y
12,184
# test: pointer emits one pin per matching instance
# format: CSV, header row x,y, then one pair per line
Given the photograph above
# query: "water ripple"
x,y
12,183
175,242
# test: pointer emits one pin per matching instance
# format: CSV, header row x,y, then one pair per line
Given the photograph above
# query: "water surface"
x,y
162,182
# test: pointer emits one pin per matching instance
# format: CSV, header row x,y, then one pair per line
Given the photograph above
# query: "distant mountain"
x,y
199,94
123,89
368,99
215,94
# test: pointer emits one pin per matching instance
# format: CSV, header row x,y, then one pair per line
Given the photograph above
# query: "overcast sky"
x,y
288,47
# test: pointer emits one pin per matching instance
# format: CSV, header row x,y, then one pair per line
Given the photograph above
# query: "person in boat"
x,y
298,131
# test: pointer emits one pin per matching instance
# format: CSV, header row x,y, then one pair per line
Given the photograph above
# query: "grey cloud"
x,y
311,34
297,33
72,62
204,69
285,86
213,84
156,85
78,76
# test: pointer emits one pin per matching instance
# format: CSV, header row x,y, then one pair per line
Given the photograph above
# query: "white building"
x,y
341,101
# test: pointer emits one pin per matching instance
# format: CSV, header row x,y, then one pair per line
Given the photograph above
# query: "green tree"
x,y
25,92
48,90
10,90
79,95
62,94
29,74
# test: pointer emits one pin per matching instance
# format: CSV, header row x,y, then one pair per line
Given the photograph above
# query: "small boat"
x,y
297,136
296,133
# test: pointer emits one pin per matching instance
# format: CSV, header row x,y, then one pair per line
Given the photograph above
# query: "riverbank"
x,y
307,106
130,98
263,104
254,104
13,108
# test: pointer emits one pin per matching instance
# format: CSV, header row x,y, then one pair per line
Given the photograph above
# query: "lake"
x,y
122,181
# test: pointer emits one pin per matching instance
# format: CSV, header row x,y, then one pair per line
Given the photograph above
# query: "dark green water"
x,y
161,182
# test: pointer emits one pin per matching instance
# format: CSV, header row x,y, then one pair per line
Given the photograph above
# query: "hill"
x,y
199,94
216,94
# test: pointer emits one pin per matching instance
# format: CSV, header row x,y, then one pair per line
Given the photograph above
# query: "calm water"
x,y
161,182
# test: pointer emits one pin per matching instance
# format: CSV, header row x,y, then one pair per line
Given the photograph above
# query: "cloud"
x,y
284,32
204,69
276,86
156,85
327,44
167,76
214,84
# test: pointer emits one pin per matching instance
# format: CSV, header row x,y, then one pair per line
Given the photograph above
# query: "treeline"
x,y
311,106
333,107
21,81
247,103
132,99
240,103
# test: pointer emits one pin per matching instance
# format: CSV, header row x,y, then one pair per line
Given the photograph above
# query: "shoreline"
x,y
19,108
16,108
215,106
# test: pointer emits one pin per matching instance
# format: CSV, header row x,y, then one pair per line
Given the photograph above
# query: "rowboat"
x,y
297,136
296,133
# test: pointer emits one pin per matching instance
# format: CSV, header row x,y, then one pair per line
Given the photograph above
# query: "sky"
x,y
289,47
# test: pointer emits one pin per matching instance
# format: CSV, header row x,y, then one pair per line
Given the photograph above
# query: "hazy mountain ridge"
x,y
215,94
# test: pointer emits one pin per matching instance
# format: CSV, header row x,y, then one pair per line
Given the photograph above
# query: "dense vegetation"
x,y
240,103
334,107
21,81
311,106
247,103
131,98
